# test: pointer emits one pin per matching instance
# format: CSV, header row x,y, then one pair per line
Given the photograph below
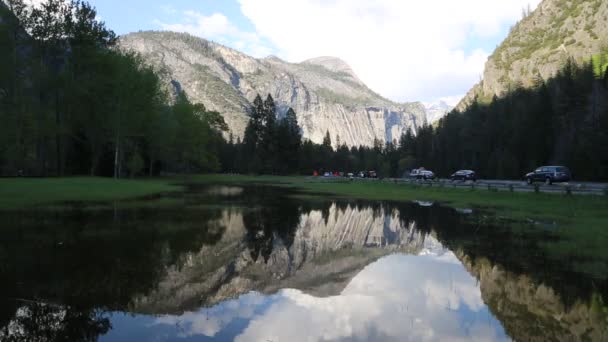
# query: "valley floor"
x,y
580,223
574,228
23,193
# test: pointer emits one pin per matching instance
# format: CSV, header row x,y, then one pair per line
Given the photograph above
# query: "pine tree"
x,y
294,140
327,140
253,132
268,138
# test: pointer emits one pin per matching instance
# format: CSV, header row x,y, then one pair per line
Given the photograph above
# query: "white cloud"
x,y
428,299
168,9
451,100
403,49
432,297
219,28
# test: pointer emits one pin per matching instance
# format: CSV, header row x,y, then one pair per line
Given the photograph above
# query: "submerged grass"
x,y
588,211
562,209
582,221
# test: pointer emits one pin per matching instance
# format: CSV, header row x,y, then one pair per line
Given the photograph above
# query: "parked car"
x,y
464,175
372,174
549,175
422,174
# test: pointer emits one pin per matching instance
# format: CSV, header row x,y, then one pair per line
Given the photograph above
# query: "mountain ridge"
x,y
324,91
538,46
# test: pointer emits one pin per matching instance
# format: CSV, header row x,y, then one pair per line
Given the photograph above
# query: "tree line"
x,y
72,103
273,144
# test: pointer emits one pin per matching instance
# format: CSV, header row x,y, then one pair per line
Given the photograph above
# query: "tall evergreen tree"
x,y
268,138
290,144
327,140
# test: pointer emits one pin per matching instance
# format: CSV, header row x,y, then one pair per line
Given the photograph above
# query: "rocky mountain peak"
x,y
324,92
333,64
273,58
437,110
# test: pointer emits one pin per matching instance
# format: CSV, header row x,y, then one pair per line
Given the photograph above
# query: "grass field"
x,y
22,193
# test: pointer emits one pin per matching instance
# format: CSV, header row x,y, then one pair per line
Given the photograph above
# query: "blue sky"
x,y
125,16
406,50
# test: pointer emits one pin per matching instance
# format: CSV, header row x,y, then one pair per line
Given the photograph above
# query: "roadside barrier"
x,y
493,186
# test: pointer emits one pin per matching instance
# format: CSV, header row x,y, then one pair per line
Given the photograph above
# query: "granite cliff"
x,y
325,92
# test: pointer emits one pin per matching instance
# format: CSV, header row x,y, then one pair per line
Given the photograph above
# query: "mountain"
x,y
325,92
437,110
540,43
327,251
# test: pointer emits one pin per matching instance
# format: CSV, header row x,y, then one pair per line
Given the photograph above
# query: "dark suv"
x,y
549,175
464,175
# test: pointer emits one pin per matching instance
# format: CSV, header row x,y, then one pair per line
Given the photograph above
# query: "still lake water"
x,y
256,263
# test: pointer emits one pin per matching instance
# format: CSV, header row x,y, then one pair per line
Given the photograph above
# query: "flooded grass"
x,y
571,211
581,222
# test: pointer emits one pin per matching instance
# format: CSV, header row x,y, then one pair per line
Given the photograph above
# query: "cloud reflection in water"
x,y
399,297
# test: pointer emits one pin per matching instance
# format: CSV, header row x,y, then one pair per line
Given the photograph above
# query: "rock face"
x,y
436,111
539,44
327,251
325,92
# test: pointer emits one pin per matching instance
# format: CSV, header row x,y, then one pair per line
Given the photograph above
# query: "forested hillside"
x,y
539,45
71,103
562,121
542,100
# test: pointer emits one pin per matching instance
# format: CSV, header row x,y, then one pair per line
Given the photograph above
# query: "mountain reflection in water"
x,y
255,264
396,298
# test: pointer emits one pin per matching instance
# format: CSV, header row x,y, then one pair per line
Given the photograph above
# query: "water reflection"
x,y
255,263
431,297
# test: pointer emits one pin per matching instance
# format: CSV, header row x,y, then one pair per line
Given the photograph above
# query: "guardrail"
x,y
565,188
496,186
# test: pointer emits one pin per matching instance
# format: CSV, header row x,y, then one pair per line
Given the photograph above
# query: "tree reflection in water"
x,y
44,322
